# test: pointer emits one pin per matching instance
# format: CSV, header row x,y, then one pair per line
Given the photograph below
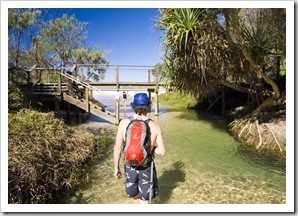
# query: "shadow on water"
x,y
262,158
168,181
216,121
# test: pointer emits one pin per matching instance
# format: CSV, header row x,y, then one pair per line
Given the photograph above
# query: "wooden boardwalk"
x,y
80,93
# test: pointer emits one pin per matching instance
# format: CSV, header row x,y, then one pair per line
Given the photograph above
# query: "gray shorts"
x,y
138,182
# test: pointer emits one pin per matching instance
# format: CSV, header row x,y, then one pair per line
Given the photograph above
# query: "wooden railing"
x,y
65,79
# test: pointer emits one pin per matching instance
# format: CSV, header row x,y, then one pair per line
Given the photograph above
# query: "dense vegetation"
x,y
209,52
45,156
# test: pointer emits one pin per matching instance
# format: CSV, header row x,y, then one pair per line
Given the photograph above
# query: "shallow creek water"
x,y
203,165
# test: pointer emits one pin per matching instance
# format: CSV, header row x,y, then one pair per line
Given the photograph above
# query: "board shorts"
x,y
138,182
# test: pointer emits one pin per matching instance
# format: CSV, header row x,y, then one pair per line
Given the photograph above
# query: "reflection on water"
x,y
203,165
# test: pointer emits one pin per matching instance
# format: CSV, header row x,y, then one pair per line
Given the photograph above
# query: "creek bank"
x,y
262,136
265,134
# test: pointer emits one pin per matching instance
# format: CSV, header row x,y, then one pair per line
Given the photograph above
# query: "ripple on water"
x,y
202,166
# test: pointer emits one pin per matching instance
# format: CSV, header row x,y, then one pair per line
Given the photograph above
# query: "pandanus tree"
x,y
255,46
196,51
209,48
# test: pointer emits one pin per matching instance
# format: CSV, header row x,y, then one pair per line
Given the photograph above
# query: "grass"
x,y
46,157
178,100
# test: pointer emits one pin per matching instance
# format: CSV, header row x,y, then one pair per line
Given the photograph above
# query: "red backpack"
x,y
137,143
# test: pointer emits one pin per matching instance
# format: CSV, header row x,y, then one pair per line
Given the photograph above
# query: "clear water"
x,y
203,165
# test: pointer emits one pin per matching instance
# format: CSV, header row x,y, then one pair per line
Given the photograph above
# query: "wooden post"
x,y
156,104
29,76
149,95
57,102
59,84
87,99
156,92
91,93
117,76
72,70
68,84
156,80
117,111
221,95
149,76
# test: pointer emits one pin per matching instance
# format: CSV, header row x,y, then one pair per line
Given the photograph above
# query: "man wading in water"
x,y
138,177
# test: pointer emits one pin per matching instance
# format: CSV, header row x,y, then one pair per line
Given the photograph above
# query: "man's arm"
x,y
118,146
117,152
161,148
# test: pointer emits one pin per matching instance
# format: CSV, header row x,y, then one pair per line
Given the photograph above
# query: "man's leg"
x,y
143,201
131,185
136,200
144,185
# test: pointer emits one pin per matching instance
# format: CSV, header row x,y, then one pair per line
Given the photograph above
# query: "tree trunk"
x,y
234,22
228,84
269,102
232,18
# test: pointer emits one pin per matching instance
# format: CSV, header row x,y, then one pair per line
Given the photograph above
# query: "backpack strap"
x,y
132,119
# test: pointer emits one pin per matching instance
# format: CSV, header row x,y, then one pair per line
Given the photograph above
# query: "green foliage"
x,y
60,37
157,69
16,99
206,49
92,55
59,42
178,100
264,29
101,147
45,156
195,46
19,20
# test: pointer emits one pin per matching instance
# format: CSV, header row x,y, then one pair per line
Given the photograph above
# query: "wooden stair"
x,y
94,107
76,98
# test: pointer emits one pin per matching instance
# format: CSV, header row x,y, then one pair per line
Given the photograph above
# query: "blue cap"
x,y
141,100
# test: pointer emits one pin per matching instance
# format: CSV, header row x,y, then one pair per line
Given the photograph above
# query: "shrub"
x,y
16,99
44,155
